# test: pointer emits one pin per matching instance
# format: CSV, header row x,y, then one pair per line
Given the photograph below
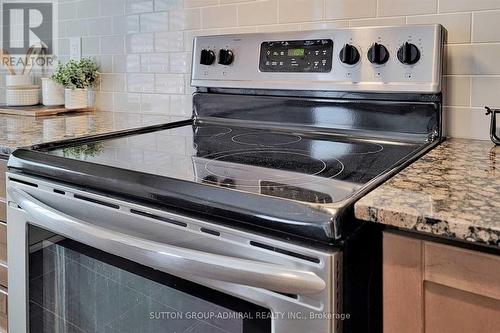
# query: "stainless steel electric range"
x,y
240,219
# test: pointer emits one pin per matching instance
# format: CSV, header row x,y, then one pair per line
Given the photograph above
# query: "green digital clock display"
x,y
296,52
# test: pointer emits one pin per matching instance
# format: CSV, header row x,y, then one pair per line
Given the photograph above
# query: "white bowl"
x,y
22,96
18,80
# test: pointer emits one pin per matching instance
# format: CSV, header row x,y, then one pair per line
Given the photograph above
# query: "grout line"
x,y
470,91
277,13
476,43
471,26
237,15
473,75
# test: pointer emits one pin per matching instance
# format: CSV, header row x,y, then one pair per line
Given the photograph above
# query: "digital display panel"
x,y
299,56
296,52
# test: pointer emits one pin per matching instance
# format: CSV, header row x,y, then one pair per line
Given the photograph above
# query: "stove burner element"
x,y
266,139
291,166
211,131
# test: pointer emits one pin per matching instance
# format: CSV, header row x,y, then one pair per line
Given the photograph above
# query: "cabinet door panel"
x,y
3,242
402,285
3,309
462,269
3,210
449,310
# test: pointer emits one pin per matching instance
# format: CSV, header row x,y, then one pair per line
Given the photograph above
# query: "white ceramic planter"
x,y
52,93
75,99
18,80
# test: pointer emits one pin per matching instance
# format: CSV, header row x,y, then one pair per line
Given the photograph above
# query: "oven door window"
x,y
77,288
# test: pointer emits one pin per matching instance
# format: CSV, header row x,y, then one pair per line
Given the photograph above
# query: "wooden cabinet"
x,y
3,247
430,288
3,200
3,309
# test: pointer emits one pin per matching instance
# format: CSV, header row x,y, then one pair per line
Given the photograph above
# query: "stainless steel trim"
x,y
168,258
17,256
231,242
423,77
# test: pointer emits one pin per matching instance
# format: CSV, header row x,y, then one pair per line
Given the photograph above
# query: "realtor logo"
x,y
27,25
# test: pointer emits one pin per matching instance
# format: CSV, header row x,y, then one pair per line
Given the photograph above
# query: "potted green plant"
x,y
76,77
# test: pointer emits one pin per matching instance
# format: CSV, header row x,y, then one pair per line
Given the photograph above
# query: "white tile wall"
x,y
346,9
300,10
258,13
144,46
406,7
472,73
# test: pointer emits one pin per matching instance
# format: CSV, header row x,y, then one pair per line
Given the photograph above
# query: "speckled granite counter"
x,y
453,191
22,131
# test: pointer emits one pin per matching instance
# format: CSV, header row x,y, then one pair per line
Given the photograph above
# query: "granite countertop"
x,y
453,191
24,131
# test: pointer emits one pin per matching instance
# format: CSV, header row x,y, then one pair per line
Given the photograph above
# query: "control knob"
x,y
408,54
207,57
349,54
226,57
378,54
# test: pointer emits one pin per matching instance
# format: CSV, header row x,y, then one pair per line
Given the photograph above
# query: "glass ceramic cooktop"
x,y
297,166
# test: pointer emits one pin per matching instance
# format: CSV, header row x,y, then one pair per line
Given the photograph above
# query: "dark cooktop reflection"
x,y
292,166
266,139
319,169
280,160
211,131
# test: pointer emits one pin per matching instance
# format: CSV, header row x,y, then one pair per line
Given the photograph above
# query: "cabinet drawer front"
x,y
3,170
3,254
3,243
3,210
402,285
3,207
3,275
462,269
3,309
449,310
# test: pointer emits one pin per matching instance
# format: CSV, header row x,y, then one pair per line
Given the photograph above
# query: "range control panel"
x,y
370,59
296,56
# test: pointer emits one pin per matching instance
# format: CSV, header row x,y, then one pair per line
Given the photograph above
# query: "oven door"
x,y
81,262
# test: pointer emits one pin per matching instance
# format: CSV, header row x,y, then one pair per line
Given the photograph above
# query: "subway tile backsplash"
x,y
144,46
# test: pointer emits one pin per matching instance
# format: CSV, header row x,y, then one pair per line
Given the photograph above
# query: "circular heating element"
x,y
277,166
211,131
266,139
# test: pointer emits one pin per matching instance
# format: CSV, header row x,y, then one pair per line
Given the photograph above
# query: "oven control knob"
x,y
408,54
349,54
378,54
226,57
207,57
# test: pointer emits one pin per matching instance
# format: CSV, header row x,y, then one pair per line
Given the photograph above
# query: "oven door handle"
x,y
168,258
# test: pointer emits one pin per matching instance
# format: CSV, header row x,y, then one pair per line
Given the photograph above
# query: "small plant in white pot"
x,y
76,77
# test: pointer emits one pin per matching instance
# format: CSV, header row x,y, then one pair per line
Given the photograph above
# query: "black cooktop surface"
x,y
300,166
